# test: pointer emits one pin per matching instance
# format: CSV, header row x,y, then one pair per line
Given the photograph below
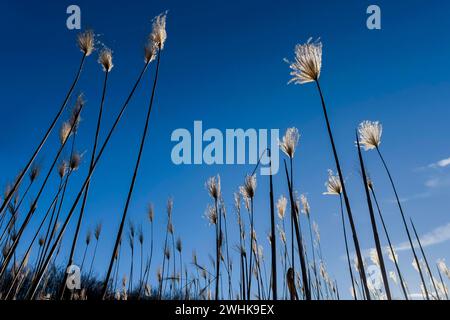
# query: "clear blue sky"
x,y
223,64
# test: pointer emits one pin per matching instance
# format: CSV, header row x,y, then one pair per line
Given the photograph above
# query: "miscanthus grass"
x,y
147,60
370,137
158,37
86,45
430,274
334,187
214,189
307,68
97,233
391,252
34,204
376,237
105,60
300,246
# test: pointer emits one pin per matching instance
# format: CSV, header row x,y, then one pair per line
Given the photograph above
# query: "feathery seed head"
x,y
249,187
64,132
211,214
370,134
62,169
290,141
333,184
86,42
305,205
281,207
75,161
105,59
308,62
159,34
150,52
213,187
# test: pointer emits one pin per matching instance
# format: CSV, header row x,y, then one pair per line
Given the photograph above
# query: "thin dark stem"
x,y
77,199
44,139
355,296
34,203
272,235
405,293
404,223
425,258
346,200
86,191
141,148
299,238
374,224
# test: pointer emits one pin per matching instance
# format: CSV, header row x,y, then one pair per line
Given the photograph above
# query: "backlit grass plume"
x,y
308,62
307,68
334,187
86,42
370,132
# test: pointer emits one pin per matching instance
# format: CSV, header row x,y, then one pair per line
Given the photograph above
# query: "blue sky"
x,y
223,64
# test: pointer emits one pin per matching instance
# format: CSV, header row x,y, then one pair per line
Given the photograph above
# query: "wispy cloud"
x,y
440,164
436,236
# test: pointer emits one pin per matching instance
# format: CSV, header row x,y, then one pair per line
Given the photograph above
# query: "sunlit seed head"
x,y
211,215
333,184
75,161
150,52
281,207
249,187
64,132
86,42
370,134
213,187
105,59
159,34
75,117
62,169
305,205
290,141
308,62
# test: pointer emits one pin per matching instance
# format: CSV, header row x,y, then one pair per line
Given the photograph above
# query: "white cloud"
x,y
441,163
436,236
444,163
